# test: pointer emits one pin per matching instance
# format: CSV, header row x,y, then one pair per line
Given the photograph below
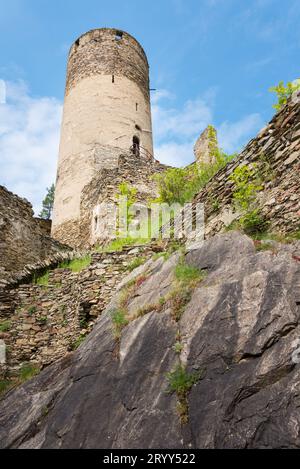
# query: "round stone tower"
x,y
106,113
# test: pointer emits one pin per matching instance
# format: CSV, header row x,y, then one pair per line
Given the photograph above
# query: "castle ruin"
x,y
106,130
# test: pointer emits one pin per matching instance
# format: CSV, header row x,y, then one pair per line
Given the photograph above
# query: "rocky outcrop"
x,y
239,333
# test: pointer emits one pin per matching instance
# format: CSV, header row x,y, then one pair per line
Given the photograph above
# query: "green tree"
x,y
284,92
48,203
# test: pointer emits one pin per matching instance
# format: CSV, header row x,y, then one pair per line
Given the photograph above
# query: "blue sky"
x,y
212,61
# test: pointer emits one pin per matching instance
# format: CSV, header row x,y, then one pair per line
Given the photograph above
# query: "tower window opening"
x,y
113,78
96,223
136,145
137,106
138,128
119,36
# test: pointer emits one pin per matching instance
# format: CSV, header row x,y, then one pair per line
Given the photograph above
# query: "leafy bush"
x,y
180,185
180,381
246,187
253,222
247,184
284,92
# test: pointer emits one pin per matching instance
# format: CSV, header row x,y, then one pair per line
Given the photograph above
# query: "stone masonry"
x,y
276,153
106,112
46,321
24,239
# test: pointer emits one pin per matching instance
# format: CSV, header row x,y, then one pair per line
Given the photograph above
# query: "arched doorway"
x,y
136,145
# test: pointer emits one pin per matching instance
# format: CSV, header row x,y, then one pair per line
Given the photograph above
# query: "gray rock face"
x,y
240,329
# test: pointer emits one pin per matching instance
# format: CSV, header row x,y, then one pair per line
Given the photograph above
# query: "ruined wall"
x,y
276,152
23,238
44,322
107,103
136,171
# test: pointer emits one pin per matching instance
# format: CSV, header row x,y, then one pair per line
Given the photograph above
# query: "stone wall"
x,y
276,153
46,321
108,52
24,239
136,171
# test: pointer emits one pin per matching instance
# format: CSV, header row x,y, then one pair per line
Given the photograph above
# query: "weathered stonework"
x,y
205,146
276,153
24,239
46,321
106,110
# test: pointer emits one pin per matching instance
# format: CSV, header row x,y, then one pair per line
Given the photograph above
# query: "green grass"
x,y
5,326
185,273
5,386
28,371
181,382
76,265
118,244
76,344
179,297
32,310
42,320
119,321
42,280
136,263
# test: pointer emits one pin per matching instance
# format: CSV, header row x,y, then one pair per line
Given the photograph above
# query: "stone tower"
x,y
106,113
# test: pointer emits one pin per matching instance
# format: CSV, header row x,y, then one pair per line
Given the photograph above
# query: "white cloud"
x,y
232,135
29,139
30,128
177,129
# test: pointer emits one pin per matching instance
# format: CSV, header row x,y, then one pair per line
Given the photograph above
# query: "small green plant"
x,y
42,320
179,298
178,347
76,344
119,321
253,222
41,280
5,386
181,382
186,279
284,92
77,265
5,326
32,310
247,184
185,273
136,263
28,371
162,301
